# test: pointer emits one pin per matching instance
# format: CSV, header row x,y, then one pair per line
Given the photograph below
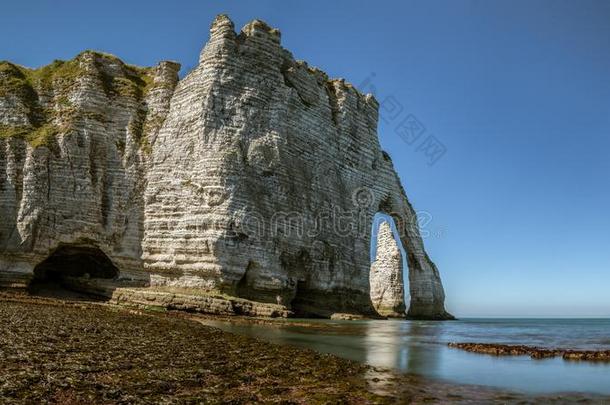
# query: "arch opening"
x,y
388,277
70,268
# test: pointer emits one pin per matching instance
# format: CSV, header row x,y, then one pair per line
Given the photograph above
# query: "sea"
x,y
420,347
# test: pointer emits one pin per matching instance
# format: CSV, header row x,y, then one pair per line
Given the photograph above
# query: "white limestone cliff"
x,y
255,177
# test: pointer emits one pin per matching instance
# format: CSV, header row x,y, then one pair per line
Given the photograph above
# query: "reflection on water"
x,y
394,344
420,347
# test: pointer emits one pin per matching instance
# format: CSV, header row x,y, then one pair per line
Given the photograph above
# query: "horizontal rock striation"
x,y
255,176
74,146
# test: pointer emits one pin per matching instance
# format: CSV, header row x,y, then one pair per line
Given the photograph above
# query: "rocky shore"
x,y
533,352
74,352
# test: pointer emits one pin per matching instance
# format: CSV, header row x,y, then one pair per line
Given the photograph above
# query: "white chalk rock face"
x,y
74,147
255,176
387,286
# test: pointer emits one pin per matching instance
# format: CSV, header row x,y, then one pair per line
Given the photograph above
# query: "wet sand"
x,y
78,352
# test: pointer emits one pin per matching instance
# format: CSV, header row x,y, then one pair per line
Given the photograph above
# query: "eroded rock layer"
x,y
255,176
74,146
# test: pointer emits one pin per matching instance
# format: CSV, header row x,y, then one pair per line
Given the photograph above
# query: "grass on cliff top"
x,y
15,77
56,81
18,80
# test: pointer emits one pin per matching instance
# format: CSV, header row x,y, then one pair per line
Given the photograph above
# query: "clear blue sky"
x,y
518,92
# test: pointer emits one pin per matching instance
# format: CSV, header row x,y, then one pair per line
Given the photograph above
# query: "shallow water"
x,y
420,347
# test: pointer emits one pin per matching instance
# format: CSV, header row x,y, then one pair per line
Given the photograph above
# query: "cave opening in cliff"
x,y
388,276
72,269
304,301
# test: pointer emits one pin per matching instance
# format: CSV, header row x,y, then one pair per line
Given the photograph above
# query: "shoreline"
x,y
79,351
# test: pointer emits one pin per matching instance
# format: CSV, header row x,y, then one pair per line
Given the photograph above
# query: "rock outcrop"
x,y
255,177
386,278
498,349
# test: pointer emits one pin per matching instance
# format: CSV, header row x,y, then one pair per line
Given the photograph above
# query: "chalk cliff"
x,y
255,179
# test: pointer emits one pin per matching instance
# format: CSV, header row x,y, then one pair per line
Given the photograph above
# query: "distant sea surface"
x,y
420,347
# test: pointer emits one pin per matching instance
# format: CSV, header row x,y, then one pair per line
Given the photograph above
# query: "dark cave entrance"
x,y
66,272
301,299
305,303
243,288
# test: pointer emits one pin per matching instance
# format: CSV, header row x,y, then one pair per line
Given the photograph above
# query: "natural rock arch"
x,y
168,187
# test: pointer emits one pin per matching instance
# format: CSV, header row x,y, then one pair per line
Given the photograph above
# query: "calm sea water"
x,y
420,347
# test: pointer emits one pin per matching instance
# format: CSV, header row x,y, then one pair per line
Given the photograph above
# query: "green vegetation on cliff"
x,y
40,136
44,95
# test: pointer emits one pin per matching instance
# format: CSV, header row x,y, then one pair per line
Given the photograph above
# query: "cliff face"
x,y
256,177
74,146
